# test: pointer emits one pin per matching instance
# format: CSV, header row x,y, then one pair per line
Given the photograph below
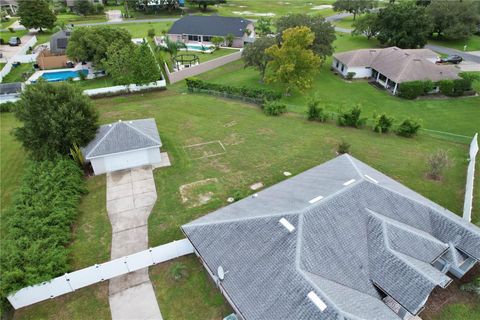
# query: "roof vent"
x,y
317,301
287,225
130,122
349,182
416,59
316,199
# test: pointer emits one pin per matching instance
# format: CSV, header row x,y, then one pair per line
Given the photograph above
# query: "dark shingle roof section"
x,y
9,88
210,26
363,237
123,136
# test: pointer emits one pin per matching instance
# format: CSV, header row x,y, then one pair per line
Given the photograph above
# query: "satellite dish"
x,y
220,273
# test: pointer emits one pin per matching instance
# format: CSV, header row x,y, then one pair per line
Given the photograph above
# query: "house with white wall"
x,y
392,66
199,30
124,145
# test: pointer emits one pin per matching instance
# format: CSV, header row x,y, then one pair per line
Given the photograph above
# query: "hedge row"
x,y
37,226
258,95
450,88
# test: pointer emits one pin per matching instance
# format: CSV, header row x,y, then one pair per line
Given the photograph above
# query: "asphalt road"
x,y
444,50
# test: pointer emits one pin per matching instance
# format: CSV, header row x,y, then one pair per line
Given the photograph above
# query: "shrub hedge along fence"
x,y
38,225
450,88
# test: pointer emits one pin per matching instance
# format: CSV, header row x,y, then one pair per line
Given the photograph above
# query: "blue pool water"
x,y
198,47
62,75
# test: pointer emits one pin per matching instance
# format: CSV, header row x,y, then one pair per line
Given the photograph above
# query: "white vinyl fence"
x,y
18,57
99,272
124,89
467,206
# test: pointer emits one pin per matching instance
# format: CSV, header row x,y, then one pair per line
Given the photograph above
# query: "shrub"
x,y
437,163
151,33
314,112
39,224
274,108
408,128
229,38
350,75
257,94
343,147
384,123
7,107
217,41
471,76
414,89
11,30
351,118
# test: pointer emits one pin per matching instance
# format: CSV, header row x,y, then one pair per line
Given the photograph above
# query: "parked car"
x,y
452,59
14,41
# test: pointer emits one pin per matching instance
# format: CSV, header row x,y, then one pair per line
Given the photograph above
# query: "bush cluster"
x,y
450,88
351,118
274,108
455,88
7,107
316,113
257,94
414,89
383,123
408,128
33,248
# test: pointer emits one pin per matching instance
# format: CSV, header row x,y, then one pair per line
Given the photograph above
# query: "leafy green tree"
x,y
131,64
91,43
54,118
83,7
354,6
217,41
254,54
366,25
263,26
204,3
323,30
454,19
36,14
171,47
294,63
229,39
404,25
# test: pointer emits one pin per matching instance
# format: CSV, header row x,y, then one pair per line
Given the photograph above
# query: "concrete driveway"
x,y
8,52
131,195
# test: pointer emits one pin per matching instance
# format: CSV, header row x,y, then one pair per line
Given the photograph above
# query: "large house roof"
x,y
123,136
356,233
210,26
400,65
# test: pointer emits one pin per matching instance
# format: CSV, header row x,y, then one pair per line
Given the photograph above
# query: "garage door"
x,y
126,160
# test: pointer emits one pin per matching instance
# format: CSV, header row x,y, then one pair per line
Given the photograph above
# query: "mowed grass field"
x,y
337,94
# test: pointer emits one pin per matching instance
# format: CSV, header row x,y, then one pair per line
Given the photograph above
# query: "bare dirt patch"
x,y
234,139
198,193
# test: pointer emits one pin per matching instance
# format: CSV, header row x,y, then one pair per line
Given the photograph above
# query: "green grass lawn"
x,y
6,23
6,35
473,43
19,74
95,83
345,22
140,30
70,18
43,36
335,94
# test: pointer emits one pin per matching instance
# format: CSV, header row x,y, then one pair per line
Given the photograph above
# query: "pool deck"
x,y
77,67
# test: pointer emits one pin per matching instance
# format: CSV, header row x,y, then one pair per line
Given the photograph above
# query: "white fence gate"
x,y
99,272
467,206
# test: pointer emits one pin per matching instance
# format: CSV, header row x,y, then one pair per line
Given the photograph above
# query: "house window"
x,y
207,38
193,38
343,67
337,64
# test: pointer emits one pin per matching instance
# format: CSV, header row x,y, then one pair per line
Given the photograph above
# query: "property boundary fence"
x,y
18,57
467,206
201,68
99,272
116,90
226,95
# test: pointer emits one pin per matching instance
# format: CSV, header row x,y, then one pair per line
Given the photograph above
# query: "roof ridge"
x,y
142,133
113,125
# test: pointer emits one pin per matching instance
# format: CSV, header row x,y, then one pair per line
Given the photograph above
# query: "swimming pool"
x,y
62,75
199,47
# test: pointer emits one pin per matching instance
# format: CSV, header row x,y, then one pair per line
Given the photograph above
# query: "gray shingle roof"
x,y
9,88
365,234
123,136
210,26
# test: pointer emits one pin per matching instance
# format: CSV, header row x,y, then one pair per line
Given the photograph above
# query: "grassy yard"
x,y
6,23
140,30
345,22
473,43
19,74
335,94
6,35
70,18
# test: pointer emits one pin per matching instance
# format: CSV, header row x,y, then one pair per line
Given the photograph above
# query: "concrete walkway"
x,y
131,195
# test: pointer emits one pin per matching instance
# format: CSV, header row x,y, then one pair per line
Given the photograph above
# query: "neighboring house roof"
x,y
210,26
9,88
59,40
123,136
356,230
400,65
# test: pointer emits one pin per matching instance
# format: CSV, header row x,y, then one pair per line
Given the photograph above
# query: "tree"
x,y
454,19
54,117
323,30
91,43
217,41
437,162
229,39
404,25
204,3
172,47
131,63
83,7
294,63
36,14
354,6
254,54
264,26
366,25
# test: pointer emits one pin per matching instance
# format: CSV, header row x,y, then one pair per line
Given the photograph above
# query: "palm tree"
x,y
172,47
